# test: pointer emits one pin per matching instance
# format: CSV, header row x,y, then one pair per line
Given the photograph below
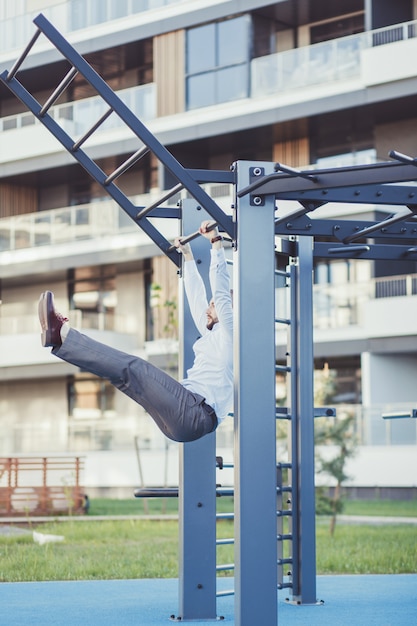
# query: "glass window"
x,y
90,398
232,83
78,14
98,12
201,90
233,38
201,49
92,291
217,62
118,8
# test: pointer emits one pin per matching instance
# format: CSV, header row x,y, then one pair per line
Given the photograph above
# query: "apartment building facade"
x,y
308,84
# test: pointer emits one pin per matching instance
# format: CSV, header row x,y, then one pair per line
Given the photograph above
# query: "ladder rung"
x,y
284,537
58,91
225,516
225,542
282,273
23,56
225,567
284,585
222,594
128,163
284,561
171,192
88,134
287,489
282,320
284,465
285,513
282,368
281,412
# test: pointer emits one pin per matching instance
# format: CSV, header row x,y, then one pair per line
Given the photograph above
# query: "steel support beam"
x,y
255,423
302,411
197,485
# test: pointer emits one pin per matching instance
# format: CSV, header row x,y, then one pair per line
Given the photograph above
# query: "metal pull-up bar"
x,y
194,235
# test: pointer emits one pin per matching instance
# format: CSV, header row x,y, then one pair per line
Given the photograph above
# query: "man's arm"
x,y
219,279
194,287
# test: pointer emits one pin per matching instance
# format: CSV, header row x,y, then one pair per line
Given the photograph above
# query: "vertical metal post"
x,y
255,422
197,487
302,410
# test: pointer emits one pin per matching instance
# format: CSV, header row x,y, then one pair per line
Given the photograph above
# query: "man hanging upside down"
x,y
186,410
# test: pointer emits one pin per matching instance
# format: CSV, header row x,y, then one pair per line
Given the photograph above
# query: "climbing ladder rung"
x,y
166,196
23,56
225,516
88,134
282,320
282,368
282,273
284,585
134,158
284,561
225,567
225,542
222,594
284,465
58,91
284,537
287,489
281,412
284,513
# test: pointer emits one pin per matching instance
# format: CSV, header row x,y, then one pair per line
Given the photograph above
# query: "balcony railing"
x,y
326,62
82,114
73,15
85,221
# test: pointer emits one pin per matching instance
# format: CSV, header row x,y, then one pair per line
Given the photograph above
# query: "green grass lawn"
x,y
137,548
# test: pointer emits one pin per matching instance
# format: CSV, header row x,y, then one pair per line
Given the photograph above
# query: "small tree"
x,y
339,433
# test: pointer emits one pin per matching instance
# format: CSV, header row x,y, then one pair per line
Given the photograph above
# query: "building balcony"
x,y
290,82
70,16
358,316
24,137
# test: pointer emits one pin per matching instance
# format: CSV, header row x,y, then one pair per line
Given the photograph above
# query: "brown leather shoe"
x,y
51,321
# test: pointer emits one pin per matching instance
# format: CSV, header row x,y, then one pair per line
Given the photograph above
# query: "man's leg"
x,y
179,413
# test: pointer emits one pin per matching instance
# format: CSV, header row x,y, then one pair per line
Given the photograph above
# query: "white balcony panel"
x,y
26,143
389,63
21,352
390,317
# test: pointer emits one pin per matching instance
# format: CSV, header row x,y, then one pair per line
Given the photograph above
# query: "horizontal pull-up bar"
x,y
172,492
189,238
392,219
400,415
279,167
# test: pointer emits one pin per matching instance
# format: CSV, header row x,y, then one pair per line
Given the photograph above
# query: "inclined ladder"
x,y
186,179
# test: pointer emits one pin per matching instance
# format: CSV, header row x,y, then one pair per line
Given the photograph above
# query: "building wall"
x,y
33,400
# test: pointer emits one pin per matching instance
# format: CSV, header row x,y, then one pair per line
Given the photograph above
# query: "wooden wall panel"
x,y
294,152
16,200
169,72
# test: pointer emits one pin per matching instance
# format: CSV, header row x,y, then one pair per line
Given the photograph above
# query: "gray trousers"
x,y
179,413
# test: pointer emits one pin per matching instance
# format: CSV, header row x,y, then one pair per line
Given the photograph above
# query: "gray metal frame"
x,y
197,480
255,422
253,230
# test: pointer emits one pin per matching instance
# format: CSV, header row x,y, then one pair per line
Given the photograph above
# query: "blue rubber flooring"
x,y
380,600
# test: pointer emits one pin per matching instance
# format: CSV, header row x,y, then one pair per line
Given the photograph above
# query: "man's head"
x,y
211,315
